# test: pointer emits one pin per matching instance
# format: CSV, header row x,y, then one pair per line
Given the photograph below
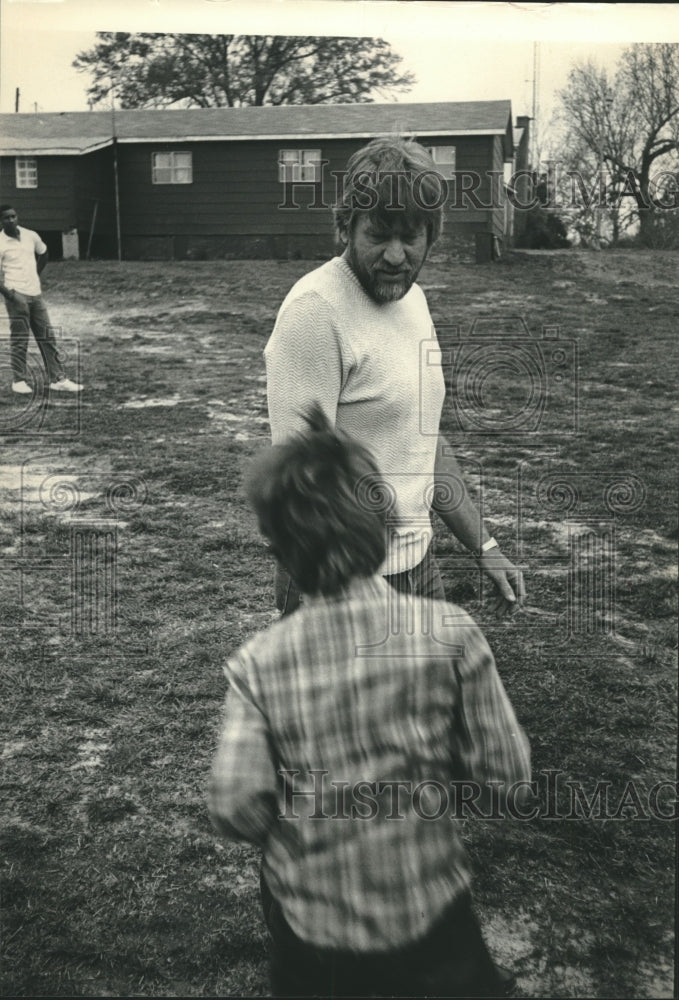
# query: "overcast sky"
x,y
457,51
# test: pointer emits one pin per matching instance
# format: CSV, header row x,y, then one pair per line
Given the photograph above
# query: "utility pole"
x,y
16,101
116,186
536,101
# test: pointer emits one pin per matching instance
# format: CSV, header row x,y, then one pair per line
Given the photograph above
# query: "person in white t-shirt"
x,y
23,256
349,336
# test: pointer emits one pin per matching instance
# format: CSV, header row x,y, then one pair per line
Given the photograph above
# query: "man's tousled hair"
x,y
312,496
388,176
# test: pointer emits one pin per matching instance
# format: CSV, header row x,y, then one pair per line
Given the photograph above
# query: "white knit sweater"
x,y
375,371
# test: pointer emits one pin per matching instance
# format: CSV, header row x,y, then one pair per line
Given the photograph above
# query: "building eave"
x,y
55,150
297,137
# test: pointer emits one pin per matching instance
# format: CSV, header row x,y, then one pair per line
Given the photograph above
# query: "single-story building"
x,y
241,182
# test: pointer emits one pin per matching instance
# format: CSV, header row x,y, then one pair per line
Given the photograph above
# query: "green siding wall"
x,y
50,206
235,189
96,185
235,204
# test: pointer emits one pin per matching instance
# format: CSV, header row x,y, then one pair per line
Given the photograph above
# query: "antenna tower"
x,y
536,106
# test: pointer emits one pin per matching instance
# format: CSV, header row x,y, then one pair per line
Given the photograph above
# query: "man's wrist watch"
x,y
487,546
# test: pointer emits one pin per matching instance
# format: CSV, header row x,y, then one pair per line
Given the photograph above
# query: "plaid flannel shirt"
x,y
333,717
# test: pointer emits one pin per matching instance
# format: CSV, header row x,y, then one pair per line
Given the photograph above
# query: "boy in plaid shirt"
x,y
348,727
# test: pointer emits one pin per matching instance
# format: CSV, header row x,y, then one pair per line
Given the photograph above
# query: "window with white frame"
x,y
295,166
172,168
26,172
444,156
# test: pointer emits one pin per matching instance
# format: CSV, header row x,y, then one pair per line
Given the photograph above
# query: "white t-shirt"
x,y
368,367
17,261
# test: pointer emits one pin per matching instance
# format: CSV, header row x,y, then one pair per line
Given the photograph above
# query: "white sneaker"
x,y
65,385
22,387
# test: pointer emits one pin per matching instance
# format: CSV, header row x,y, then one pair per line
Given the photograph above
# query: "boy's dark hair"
x,y
321,503
6,208
389,175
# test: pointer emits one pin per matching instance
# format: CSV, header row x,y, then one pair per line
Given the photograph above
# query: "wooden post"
x,y
115,172
94,219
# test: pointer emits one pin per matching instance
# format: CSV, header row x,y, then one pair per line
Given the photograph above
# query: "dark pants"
x,y
423,580
450,961
28,312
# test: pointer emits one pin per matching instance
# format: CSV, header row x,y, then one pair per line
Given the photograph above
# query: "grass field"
x,y
131,567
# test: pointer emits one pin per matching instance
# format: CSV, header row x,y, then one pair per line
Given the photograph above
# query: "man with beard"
x,y
348,336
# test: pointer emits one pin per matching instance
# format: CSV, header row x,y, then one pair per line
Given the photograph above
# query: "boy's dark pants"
x,y
450,961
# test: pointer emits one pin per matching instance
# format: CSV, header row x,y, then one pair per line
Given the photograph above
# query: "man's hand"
x,y
510,591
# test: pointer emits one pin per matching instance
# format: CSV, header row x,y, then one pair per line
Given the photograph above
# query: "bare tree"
x,y
628,125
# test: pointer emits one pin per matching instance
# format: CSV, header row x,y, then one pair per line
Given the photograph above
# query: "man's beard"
x,y
381,291
390,291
